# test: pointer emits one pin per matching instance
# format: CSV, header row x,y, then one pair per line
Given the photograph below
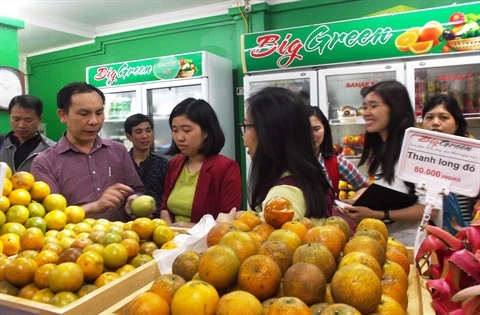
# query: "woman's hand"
x,y
227,217
357,214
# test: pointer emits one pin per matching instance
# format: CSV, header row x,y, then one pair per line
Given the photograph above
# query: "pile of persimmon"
x,y
51,253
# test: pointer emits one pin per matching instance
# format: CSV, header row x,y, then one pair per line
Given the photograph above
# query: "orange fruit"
x,y
389,306
149,303
7,187
259,275
297,227
19,197
106,278
64,298
317,254
421,47
82,227
114,255
393,242
54,202
85,289
28,291
264,230
69,255
375,224
186,264
242,243
91,264
17,213
340,308
20,271
166,285
318,308
4,203
431,31
144,227
376,235
240,225
125,269
75,214
361,258
393,288
219,266
140,260
56,220
36,209
162,234
329,235
239,302
306,282
291,239
307,222
41,275
395,254
47,256
218,231
12,227
364,293
82,242
148,248
66,277
31,238
39,191
4,262
43,296
404,40
22,180
289,306
394,270
257,238
279,252
8,174
251,218
277,211
202,299
341,223
11,243
367,245
132,247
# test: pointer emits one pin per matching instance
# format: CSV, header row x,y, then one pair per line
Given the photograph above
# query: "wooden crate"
x,y
419,300
92,303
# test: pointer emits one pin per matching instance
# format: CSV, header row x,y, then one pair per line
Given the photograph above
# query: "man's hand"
x,y
113,197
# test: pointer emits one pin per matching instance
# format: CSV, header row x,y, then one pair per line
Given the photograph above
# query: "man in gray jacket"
x,y
23,143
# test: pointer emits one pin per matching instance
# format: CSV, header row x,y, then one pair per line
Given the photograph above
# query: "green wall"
x,y
219,35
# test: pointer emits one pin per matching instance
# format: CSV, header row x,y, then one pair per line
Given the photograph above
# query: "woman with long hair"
x,y
388,112
278,138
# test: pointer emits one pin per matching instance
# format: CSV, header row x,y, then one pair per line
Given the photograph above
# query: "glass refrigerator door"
x,y
341,101
119,104
161,98
304,83
458,77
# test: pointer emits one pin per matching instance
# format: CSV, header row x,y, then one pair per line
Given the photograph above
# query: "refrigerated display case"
x,y
458,77
154,86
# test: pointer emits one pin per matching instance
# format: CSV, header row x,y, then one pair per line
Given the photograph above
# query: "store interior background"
x,y
47,71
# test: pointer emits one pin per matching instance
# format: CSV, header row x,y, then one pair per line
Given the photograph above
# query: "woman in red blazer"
x,y
199,180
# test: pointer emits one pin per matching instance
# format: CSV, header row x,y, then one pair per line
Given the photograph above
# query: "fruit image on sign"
x,y
143,206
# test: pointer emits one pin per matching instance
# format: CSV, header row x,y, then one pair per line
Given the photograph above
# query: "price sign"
x,y
434,157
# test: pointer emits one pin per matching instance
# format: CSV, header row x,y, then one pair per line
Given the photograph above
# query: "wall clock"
x,y
11,84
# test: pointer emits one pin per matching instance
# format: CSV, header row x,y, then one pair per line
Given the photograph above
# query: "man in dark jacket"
x,y
24,142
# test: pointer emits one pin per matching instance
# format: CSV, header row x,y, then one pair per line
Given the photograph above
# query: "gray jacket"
x,y
7,153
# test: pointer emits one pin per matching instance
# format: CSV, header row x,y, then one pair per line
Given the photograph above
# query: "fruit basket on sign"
x,y
452,266
464,32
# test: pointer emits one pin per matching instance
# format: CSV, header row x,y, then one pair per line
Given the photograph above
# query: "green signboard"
x,y
440,30
146,70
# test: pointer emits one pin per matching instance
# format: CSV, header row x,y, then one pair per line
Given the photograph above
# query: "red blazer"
x,y
219,186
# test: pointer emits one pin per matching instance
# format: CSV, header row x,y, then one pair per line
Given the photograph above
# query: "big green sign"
x,y
146,70
440,30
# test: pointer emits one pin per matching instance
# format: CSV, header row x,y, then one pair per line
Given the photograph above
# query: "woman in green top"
x,y
199,180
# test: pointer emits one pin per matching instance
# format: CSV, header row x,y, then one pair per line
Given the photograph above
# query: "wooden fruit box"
x,y
92,303
419,300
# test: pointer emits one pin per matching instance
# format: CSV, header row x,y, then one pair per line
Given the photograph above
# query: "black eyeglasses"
x,y
244,127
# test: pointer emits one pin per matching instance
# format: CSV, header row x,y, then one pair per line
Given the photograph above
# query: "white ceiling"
x,y
52,25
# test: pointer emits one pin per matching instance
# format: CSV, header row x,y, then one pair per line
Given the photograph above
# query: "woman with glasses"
x,y
278,138
199,180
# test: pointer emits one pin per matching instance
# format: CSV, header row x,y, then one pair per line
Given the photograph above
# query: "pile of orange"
x,y
51,253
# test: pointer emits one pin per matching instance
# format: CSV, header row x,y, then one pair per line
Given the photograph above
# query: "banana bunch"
x,y
452,264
